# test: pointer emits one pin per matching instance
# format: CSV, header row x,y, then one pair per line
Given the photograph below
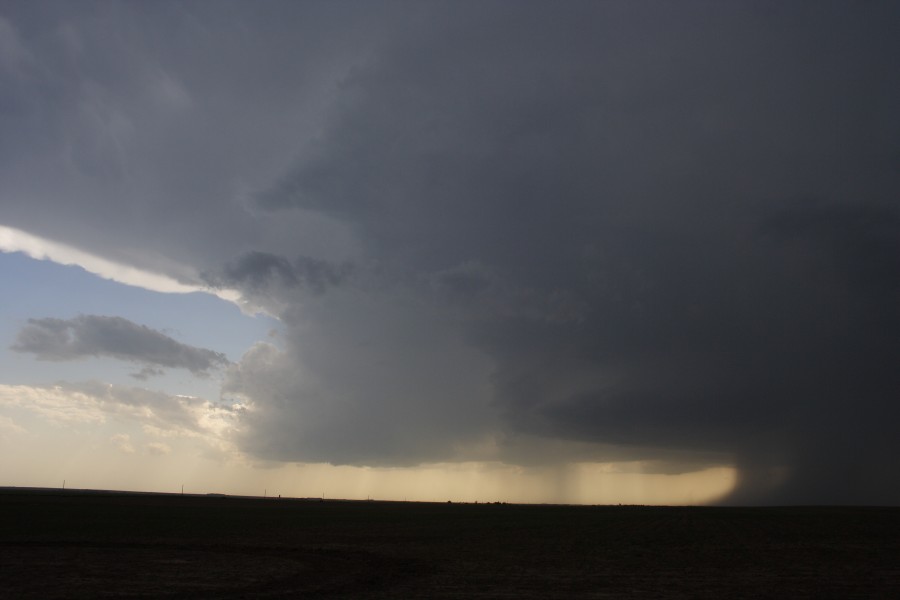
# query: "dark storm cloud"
x,y
642,170
162,116
92,335
363,377
258,271
658,229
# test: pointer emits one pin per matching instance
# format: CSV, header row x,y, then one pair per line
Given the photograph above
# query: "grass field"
x,y
79,545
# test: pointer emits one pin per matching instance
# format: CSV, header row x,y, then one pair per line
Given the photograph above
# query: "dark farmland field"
x,y
57,544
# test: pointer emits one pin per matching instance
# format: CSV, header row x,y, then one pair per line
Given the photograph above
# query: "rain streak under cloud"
x,y
526,233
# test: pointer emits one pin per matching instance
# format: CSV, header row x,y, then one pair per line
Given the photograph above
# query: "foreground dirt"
x,y
79,545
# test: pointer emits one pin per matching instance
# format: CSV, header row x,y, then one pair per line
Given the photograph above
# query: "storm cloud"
x,y
93,335
654,230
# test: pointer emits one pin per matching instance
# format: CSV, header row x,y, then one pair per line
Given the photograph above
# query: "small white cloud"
x,y
122,441
158,449
54,403
158,414
8,426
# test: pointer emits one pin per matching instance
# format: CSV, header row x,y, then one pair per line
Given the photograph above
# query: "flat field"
x,y
57,544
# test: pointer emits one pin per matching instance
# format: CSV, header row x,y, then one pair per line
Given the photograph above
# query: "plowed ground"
x,y
79,545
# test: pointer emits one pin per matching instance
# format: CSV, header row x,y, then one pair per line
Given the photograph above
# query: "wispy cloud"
x,y
122,441
92,403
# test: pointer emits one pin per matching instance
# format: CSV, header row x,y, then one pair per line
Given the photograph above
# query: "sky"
x,y
587,252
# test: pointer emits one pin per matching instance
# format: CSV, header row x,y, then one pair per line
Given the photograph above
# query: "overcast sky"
x,y
622,242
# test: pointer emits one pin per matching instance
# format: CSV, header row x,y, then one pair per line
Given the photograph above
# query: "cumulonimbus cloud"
x,y
657,233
